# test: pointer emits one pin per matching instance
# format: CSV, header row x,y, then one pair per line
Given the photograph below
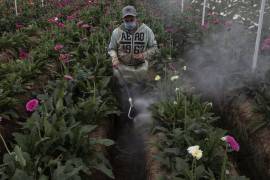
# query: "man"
x,y
132,46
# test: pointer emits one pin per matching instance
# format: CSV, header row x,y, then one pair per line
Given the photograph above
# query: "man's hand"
x,y
139,56
115,62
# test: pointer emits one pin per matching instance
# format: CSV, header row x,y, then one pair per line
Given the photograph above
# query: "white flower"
x,y
185,68
173,78
174,102
157,78
195,152
209,104
236,16
223,138
177,89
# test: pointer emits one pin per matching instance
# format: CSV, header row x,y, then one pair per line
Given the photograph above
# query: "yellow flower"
x,y
157,78
173,78
195,152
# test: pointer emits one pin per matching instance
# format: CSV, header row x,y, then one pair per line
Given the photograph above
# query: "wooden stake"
x,y
16,9
203,15
258,39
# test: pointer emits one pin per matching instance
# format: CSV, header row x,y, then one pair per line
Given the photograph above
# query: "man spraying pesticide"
x,y
131,48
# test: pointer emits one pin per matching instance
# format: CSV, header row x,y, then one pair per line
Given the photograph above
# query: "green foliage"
x,y
183,121
54,141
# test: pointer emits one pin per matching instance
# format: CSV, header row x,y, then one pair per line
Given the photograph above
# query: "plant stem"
x,y
185,104
223,168
4,142
94,91
193,167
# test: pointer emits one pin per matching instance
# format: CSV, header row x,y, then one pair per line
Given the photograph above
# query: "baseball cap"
x,y
129,11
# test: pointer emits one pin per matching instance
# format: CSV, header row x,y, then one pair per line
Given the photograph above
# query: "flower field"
x,y
205,114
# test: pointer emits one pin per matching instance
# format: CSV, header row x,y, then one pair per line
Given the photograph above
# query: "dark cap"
x,y
129,11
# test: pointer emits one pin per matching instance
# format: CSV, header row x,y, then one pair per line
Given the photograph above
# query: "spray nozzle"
x,y
130,107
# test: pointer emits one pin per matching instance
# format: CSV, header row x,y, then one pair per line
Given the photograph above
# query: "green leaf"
x,y
43,177
200,171
10,161
174,151
48,128
20,174
105,142
19,156
88,128
181,164
105,170
59,105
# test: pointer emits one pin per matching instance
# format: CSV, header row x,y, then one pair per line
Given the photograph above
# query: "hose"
x,y
130,100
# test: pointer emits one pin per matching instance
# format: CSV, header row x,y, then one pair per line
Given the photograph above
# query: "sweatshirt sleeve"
x,y
112,49
152,47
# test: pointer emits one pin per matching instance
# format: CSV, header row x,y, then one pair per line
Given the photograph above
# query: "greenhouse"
x,y
134,89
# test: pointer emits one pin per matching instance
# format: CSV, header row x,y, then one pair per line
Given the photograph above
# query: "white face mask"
x,y
130,25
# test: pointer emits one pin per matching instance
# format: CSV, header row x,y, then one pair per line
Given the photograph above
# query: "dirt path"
x,y
128,156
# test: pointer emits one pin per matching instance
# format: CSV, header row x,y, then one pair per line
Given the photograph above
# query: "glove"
x,y
115,62
139,57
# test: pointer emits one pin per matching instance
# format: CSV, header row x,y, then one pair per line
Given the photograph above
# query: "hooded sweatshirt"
x,y
125,44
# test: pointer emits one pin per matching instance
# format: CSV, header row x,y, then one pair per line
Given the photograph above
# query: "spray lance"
x,y
130,100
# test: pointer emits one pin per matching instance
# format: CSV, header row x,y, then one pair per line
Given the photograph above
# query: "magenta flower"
x,y
216,21
228,24
53,20
58,47
19,26
31,105
170,30
231,142
60,24
64,58
206,25
23,54
266,44
85,26
80,23
68,77
172,67
69,18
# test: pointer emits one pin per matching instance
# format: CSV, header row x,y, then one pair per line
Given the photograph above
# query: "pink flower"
x,y
68,77
216,21
231,142
228,24
169,29
266,44
23,54
205,26
172,67
267,40
80,23
61,25
57,47
70,17
85,26
64,58
53,20
31,105
19,26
